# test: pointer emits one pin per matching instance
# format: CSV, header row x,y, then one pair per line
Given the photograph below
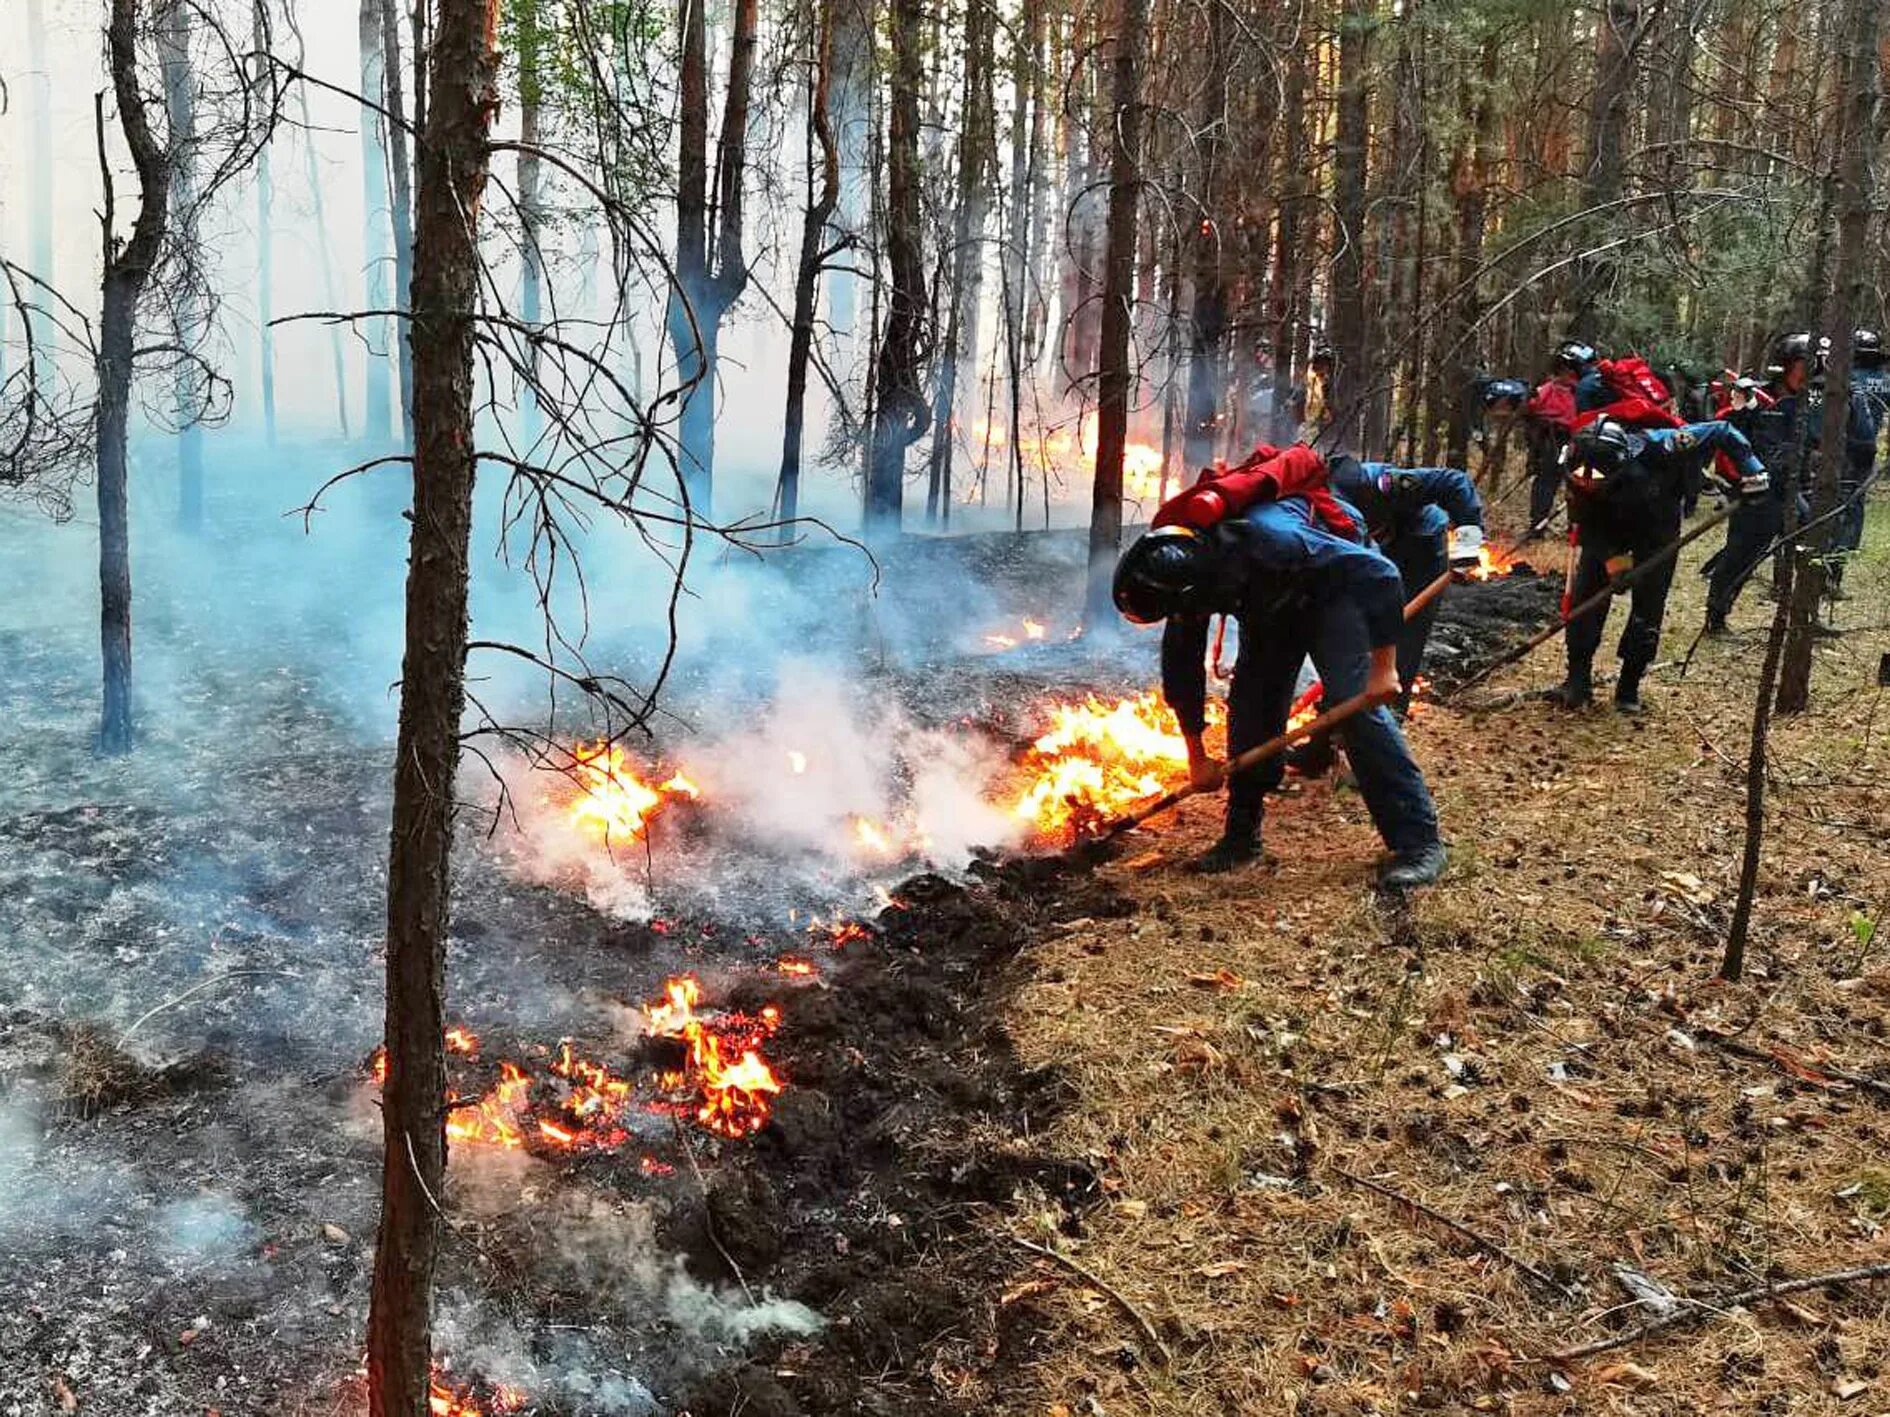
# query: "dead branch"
x,y
1729,1044
1457,1227
1088,1276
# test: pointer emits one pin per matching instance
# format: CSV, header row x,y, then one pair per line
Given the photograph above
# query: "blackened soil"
x,y
1480,620
907,1119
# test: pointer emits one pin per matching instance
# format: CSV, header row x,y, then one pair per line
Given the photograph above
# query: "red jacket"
x,y
1268,474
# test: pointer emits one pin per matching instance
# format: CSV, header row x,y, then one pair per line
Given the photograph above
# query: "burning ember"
x,y
794,967
1098,760
735,1096
1033,631
614,802
446,1399
1491,564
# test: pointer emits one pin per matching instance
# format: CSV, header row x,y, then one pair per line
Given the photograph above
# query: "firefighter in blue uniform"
x,y
1870,381
1625,490
1300,581
1783,435
1427,520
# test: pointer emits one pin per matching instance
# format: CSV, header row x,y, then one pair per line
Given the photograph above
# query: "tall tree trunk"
x,y
1470,185
1283,309
822,197
329,293
41,239
531,102
1856,147
1352,378
1733,963
454,165
1617,41
260,83
900,414
174,24
1113,375
403,209
374,228
127,270
1207,322
975,158
709,278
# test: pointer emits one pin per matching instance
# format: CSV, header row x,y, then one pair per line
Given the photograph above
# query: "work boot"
x,y
1576,691
1313,758
1414,866
1716,626
1627,689
1235,849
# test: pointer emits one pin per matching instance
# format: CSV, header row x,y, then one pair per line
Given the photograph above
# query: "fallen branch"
x,y
192,992
1121,1302
708,1208
1457,1227
1696,1309
1727,1043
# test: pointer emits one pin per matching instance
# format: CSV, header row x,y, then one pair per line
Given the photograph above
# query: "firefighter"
x,y
1870,382
1426,520
1573,386
1625,488
1312,399
1301,579
1783,428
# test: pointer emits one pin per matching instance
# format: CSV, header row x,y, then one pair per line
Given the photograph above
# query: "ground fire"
x,y
448,1399
1099,758
614,801
735,1097
1065,451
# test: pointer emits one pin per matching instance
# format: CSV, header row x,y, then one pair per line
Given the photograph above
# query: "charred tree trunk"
x,y
1114,375
710,277
1207,323
174,19
900,413
822,197
1856,147
975,157
375,254
1352,378
454,165
127,271
403,209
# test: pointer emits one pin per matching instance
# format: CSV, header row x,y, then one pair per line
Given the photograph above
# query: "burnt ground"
x,y
189,943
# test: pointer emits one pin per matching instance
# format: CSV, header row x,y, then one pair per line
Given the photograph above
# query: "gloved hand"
x,y
1465,543
1754,484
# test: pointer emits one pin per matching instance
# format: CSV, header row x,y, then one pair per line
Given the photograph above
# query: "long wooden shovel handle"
x,y
1255,755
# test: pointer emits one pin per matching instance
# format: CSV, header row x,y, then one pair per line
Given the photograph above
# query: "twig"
x,y
1732,1045
1088,1276
194,989
1457,1227
708,1214
1697,1309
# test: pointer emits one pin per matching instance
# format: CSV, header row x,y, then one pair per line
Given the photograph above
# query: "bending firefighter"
x,y
1300,580
1626,488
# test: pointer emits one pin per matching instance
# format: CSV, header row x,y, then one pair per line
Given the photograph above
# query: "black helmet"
x,y
1322,354
1573,355
1495,391
1598,450
1795,346
1165,573
1866,346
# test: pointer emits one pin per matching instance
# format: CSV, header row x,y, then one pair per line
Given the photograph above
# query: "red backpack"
x,y
1633,377
1268,474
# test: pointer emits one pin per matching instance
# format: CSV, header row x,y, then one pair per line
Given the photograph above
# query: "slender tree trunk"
x,y
265,223
1352,378
1617,39
1207,323
41,239
1114,375
901,414
1470,182
174,25
531,97
454,166
1288,260
1733,964
822,198
1856,146
329,293
403,209
374,228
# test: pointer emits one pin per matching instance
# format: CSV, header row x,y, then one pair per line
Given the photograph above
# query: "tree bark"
x,y
1352,378
1856,147
41,238
1288,264
454,166
336,360
1733,963
174,23
531,98
1207,321
403,209
822,200
1470,183
1113,375
375,255
127,271
265,233
1617,41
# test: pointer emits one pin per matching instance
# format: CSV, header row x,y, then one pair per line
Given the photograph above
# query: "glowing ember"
x,y
1491,564
839,932
735,1097
1028,631
1098,760
462,1040
795,967
447,1399
614,801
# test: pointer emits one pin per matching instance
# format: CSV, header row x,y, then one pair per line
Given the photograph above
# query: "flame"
x,y
614,801
1027,631
871,836
735,1097
1491,564
839,931
462,1040
447,1399
1098,759
1420,687
795,967
1062,450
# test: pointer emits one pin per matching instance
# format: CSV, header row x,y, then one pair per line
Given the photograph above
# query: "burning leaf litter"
x,y
614,801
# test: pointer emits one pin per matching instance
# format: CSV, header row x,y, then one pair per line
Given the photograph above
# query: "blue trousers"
x,y
1420,560
1640,638
1272,648
1753,527
1849,534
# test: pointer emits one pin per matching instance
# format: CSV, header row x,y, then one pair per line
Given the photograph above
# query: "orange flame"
x,y
735,1097
614,802
1098,760
448,1399
1072,452
1491,564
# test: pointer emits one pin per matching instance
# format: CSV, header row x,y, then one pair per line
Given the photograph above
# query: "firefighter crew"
x,y
1625,489
1783,428
1573,386
1301,579
1426,520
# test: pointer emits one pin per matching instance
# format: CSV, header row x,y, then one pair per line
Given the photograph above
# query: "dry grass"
x,y
1523,1050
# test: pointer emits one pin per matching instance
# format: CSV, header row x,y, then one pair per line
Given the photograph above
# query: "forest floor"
x,y
1263,1064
